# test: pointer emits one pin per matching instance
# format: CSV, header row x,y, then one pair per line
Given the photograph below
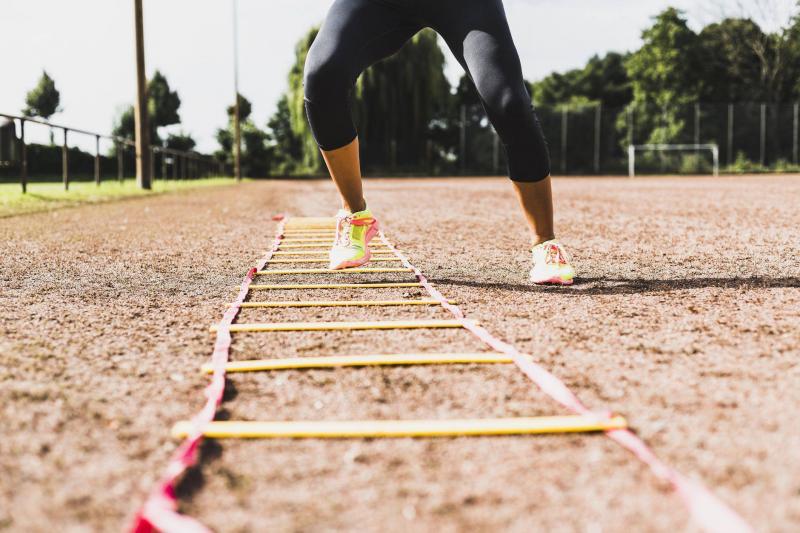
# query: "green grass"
x,y
49,196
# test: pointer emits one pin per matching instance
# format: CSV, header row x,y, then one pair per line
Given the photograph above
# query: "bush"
x,y
692,163
782,165
742,165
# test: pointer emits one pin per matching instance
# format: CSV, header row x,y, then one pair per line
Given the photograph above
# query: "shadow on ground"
x,y
599,286
210,450
193,480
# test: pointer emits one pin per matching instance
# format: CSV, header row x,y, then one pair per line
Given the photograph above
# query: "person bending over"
x,y
358,33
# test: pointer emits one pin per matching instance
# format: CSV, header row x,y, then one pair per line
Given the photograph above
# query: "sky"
x,y
87,47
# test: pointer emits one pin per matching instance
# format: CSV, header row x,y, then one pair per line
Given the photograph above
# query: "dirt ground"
x,y
686,319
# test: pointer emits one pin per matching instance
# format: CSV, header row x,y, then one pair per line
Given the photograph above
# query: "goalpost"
x,y
633,148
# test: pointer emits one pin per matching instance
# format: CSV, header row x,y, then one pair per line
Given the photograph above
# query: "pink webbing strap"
x,y
708,512
160,510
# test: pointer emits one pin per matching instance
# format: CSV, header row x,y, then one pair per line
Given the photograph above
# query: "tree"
x,y
395,104
731,69
603,79
398,99
256,155
124,125
225,135
163,103
479,137
256,152
180,141
607,80
309,160
778,52
286,145
43,100
665,73
793,36
225,139
245,109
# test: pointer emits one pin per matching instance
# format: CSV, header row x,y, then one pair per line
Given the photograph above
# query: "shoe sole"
x,y
371,232
553,281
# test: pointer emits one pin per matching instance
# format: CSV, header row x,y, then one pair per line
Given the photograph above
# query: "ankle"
x,y
536,240
356,206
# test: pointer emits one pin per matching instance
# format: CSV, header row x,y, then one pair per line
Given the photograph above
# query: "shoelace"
x,y
553,254
343,227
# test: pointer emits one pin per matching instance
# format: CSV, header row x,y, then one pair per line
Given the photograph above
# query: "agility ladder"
x,y
305,241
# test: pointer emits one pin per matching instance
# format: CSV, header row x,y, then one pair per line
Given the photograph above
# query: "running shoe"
x,y
354,231
551,265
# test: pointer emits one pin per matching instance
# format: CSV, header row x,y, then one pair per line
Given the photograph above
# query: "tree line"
x,y
44,161
163,106
44,101
410,119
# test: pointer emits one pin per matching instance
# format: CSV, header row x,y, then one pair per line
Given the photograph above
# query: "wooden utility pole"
x,y
143,177
65,162
237,129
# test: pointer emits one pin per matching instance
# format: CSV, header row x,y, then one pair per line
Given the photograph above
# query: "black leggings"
x,y
358,33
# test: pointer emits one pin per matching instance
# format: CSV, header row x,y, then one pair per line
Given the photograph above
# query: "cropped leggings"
x,y
358,33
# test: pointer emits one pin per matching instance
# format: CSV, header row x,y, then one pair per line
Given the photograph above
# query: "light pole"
x,y
143,178
237,130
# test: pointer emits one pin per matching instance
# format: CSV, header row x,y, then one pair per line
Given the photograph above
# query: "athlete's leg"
x,y
355,34
536,199
344,167
477,32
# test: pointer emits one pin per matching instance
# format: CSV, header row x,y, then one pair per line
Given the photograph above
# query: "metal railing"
x,y
185,164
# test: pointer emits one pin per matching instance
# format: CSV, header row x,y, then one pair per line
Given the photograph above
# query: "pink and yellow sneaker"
x,y
354,231
551,264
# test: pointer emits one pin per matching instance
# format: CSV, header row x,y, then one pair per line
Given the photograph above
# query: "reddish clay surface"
x,y
685,319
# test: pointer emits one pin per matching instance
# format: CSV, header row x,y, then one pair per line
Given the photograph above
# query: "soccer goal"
x,y
633,149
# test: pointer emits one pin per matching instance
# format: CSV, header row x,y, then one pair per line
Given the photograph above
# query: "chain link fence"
x,y
594,140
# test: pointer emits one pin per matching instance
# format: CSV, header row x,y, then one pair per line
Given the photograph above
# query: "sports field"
x,y
47,196
685,319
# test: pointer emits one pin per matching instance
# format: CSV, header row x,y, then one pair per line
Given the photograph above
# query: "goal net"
x,y
661,149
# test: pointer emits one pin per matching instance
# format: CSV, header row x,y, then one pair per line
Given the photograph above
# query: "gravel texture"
x,y
685,319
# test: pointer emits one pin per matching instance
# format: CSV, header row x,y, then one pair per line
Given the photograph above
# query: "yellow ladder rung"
x,y
317,245
315,239
323,225
376,253
325,260
336,361
343,303
324,232
328,271
309,220
304,240
322,429
341,326
312,227
307,231
294,286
